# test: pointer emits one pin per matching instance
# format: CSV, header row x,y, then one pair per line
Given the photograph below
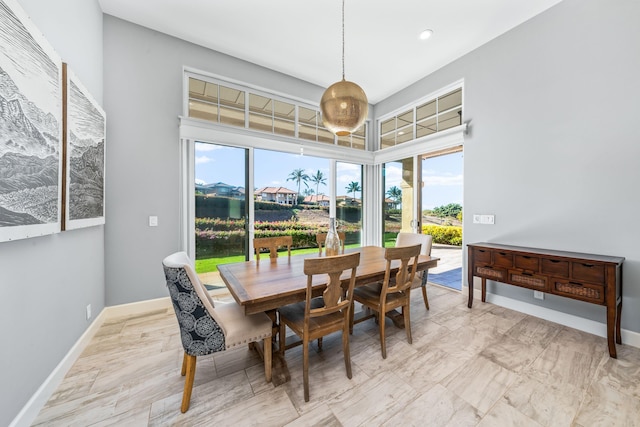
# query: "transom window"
x,y
218,102
425,118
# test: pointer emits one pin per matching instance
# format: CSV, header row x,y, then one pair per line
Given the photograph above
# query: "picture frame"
x,y
84,176
31,140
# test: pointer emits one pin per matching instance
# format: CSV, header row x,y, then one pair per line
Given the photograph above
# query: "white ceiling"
x,y
302,38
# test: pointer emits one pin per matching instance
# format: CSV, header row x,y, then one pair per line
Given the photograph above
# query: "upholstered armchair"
x,y
206,328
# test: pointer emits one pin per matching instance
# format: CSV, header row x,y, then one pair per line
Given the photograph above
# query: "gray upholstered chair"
x,y
205,328
407,239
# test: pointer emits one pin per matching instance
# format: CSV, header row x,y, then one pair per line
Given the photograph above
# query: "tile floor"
x,y
488,366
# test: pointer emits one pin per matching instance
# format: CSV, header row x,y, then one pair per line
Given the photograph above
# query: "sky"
x,y
442,175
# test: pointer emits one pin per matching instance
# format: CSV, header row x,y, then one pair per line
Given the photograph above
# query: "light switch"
x,y
153,221
488,219
477,219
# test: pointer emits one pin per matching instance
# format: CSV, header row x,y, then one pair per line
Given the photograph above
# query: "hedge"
x,y
444,234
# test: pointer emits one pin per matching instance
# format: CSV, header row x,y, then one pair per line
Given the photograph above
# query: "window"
x,y
218,102
435,115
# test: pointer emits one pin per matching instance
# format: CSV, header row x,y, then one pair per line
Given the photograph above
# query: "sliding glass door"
x,y
221,208
401,207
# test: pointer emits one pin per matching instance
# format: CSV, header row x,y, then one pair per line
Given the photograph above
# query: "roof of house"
x,y
316,198
274,190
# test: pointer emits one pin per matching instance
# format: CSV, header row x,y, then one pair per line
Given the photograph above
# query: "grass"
x,y
208,265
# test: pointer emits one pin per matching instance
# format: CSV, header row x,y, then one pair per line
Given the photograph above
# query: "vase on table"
x,y
332,243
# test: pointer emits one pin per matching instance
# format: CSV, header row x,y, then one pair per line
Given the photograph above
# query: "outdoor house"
x,y
549,133
280,195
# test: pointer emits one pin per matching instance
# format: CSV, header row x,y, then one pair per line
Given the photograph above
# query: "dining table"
x,y
265,285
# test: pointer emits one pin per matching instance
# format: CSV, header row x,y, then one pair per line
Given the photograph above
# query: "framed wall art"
x,y
30,128
85,128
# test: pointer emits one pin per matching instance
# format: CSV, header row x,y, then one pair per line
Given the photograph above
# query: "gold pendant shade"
x,y
344,107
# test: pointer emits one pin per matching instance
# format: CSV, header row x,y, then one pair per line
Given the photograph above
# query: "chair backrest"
x,y
334,297
408,239
322,237
272,244
200,332
408,258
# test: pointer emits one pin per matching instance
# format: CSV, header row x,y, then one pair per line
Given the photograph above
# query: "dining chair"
x,y
322,237
316,317
206,328
407,239
390,294
272,244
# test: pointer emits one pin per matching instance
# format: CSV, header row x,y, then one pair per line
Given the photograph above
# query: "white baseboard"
x,y
30,411
586,325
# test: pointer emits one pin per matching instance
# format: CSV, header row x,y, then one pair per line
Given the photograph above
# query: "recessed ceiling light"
x,y
426,34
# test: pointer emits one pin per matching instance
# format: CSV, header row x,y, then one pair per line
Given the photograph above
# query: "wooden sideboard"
x,y
592,278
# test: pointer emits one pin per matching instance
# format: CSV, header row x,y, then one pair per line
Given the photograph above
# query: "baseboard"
x,y
30,411
631,338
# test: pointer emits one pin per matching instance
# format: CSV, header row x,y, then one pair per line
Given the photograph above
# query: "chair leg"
x,y
424,289
268,348
282,339
383,344
320,344
407,321
188,382
346,351
305,369
351,318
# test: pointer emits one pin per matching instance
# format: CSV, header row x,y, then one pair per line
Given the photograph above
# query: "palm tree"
x,y
318,179
298,176
353,187
395,194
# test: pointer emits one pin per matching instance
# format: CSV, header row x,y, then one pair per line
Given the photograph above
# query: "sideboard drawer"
x,y
526,262
577,290
554,267
526,280
482,255
491,273
588,272
502,259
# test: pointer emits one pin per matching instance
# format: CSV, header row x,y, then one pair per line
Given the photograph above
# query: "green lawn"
x,y
211,264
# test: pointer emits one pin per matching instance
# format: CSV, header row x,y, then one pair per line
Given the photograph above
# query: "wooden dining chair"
x,y
272,244
317,317
407,239
322,237
205,328
390,294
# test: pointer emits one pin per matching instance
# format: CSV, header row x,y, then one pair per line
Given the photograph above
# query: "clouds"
x,y
201,160
443,180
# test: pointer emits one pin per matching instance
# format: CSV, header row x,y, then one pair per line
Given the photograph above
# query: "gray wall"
x,y
143,99
553,148
48,281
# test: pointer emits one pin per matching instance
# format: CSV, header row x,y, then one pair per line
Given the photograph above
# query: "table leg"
x,y
611,323
484,290
618,316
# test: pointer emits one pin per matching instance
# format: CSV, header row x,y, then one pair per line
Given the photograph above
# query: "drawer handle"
x,y
588,265
524,273
502,253
576,284
481,250
526,257
555,261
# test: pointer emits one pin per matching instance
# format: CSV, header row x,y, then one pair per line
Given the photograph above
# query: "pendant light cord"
x,y
342,39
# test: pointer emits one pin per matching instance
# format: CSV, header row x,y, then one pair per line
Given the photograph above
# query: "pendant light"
x,y
344,105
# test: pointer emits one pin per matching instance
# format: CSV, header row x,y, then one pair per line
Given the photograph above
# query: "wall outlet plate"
x,y
538,295
88,311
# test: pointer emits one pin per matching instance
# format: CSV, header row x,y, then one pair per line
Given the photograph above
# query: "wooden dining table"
x,y
265,285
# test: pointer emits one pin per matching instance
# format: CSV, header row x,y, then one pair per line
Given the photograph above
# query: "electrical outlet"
x,y
88,311
538,295
153,221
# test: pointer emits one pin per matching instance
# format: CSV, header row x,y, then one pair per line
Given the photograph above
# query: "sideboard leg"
x,y
618,316
484,290
611,322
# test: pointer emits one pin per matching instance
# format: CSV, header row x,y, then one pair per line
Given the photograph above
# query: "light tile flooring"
x,y
488,366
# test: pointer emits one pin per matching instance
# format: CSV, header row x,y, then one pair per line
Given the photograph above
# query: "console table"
x,y
586,277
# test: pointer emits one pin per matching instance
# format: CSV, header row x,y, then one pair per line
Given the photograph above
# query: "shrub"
x,y
447,235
